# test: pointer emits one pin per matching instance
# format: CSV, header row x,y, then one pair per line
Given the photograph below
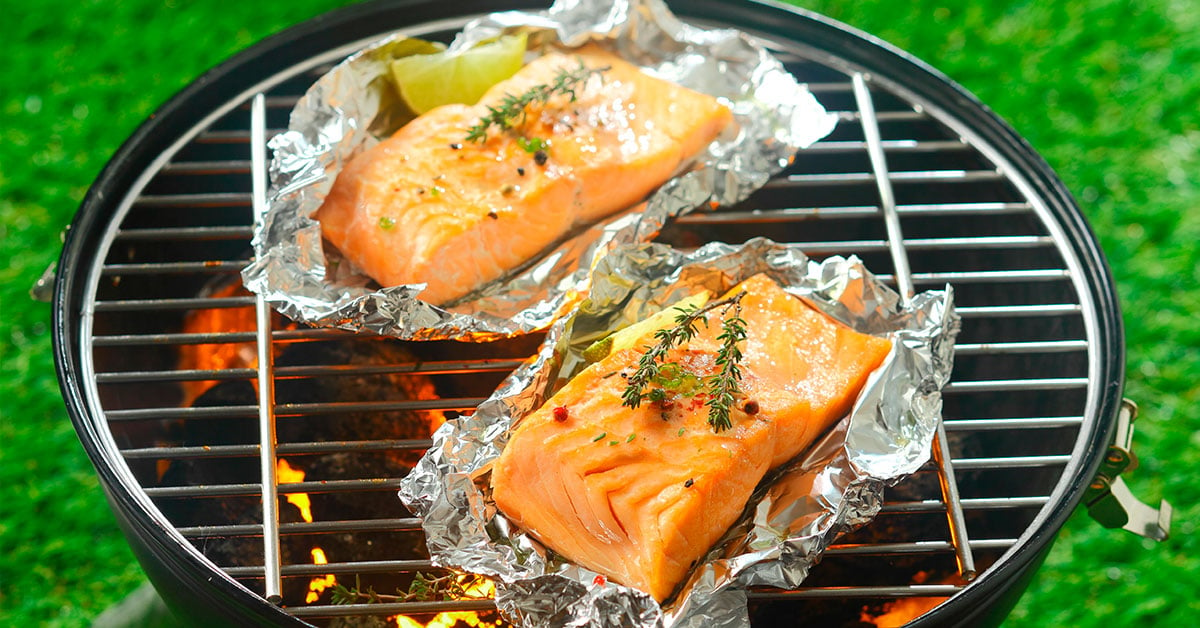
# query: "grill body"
x,y
1041,352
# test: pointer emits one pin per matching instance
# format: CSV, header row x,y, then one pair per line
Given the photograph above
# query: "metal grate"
x,y
903,185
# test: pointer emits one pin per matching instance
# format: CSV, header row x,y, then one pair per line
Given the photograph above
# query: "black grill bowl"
x,y
979,207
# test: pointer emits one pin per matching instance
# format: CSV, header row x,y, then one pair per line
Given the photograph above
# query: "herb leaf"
x,y
532,145
512,109
723,385
423,588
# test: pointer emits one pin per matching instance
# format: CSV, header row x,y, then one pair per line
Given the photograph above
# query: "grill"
x,y
918,179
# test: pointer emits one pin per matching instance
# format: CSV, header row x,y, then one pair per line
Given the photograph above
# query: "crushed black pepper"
x,y
455,146
689,483
520,171
540,157
492,214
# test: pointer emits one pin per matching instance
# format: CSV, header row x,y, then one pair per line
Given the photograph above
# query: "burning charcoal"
x,y
356,388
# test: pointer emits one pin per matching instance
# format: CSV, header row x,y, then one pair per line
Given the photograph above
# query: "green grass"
x,y
1106,90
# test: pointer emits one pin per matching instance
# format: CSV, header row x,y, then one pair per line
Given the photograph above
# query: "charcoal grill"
x,y
919,179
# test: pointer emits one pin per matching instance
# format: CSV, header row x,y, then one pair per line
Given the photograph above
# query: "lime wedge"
x,y
629,336
432,80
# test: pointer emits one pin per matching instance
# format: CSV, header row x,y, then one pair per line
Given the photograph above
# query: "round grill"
x,y
918,179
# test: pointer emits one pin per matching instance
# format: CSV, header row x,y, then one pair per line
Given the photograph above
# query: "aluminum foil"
x,y
353,107
795,514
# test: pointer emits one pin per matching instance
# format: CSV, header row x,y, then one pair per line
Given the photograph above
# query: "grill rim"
x,y
212,90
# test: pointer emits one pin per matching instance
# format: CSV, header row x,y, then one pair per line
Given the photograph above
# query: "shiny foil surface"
x,y
798,511
354,107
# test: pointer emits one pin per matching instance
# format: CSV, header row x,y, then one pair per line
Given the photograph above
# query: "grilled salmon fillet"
x,y
640,495
428,206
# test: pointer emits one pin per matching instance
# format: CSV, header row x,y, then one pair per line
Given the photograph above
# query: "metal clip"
x,y
43,290
1109,500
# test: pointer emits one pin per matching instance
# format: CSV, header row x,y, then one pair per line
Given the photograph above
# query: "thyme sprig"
x,y
423,588
723,385
513,109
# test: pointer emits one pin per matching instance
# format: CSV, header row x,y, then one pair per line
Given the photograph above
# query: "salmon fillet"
x,y
640,495
427,206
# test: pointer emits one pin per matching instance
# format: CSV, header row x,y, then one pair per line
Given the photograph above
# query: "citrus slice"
x,y
629,336
442,78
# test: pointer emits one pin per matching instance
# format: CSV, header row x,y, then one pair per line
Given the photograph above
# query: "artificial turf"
x,y
1106,90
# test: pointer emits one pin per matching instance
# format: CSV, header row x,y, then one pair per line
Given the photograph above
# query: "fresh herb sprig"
x,y
512,109
423,588
723,385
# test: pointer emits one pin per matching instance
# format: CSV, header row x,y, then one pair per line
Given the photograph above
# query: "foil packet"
x,y
836,486
353,107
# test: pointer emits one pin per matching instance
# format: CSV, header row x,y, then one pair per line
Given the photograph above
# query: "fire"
x,y
285,474
319,583
900,611
479,588
217,357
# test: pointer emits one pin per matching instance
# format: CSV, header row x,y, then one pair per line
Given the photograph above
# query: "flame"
x,y
900,611
217,357
320,583
475,588
423,389
285,474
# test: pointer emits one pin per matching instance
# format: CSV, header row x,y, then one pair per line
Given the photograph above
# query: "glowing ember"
x,y
285,474
319,583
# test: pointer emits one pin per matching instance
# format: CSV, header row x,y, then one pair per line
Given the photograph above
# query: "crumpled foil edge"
x,y
346,112
886,436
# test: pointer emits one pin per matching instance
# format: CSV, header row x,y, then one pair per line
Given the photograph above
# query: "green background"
x,y
1106,90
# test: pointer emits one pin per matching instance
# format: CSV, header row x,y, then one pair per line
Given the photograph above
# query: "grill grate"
x,y
895,163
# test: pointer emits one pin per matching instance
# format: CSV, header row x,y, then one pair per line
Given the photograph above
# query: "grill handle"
x,y
1109,500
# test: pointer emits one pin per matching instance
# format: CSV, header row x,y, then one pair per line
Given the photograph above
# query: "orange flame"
x,y
900,611
475,588
319,583
217,357
285,474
